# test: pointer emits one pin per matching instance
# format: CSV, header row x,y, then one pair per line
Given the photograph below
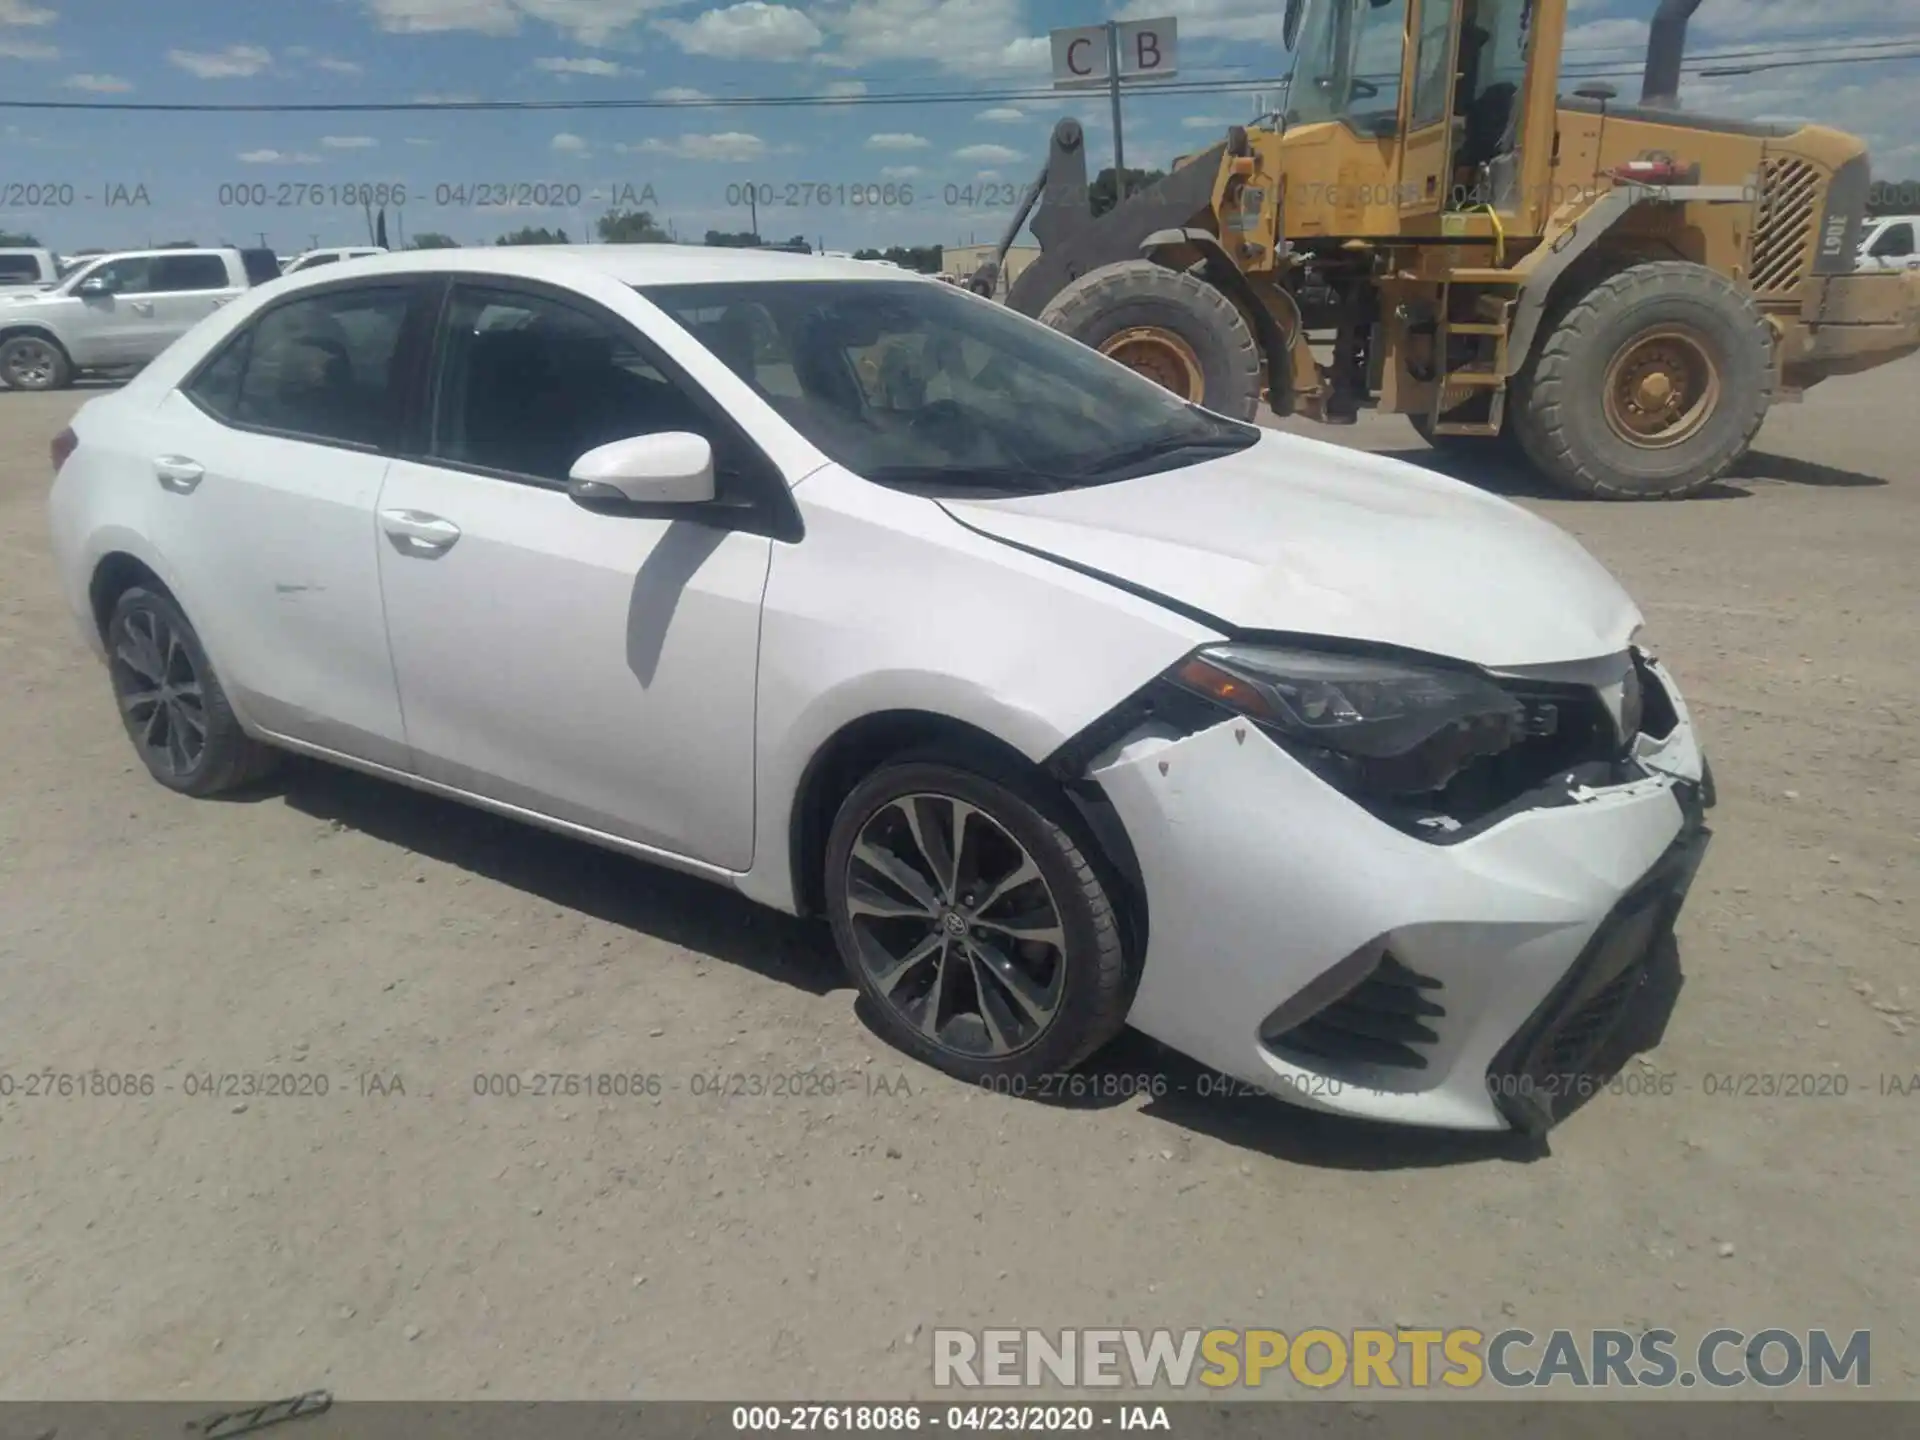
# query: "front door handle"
x,y
177,473
416,533
145,307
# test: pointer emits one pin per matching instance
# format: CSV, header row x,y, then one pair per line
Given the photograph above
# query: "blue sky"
x,y
696,160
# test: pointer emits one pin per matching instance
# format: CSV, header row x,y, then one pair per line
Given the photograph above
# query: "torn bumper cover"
x,y
1456,976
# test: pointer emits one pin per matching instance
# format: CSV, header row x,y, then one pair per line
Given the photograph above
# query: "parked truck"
x,y
119,311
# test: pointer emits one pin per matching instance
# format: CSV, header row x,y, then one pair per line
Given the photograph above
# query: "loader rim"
x,y
1662,387
1162,357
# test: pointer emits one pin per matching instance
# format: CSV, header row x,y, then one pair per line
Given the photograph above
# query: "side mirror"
x,y
675,468
95,285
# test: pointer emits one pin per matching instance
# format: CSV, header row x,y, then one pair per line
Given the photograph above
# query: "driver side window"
x,y
528,385
131,275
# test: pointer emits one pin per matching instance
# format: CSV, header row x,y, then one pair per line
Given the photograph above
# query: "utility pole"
x,y
753,211
1113,97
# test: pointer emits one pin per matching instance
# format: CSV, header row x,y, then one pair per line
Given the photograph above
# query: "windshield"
x,y
922,386
1347,65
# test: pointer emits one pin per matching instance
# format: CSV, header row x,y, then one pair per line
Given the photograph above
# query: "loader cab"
x,y
1440,88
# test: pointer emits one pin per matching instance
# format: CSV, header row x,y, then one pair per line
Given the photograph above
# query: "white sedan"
x,y
1070,704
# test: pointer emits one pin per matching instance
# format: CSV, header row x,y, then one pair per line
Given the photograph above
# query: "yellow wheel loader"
x,y
1620,290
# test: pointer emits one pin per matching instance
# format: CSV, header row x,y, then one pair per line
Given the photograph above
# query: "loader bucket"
x,y
1853,323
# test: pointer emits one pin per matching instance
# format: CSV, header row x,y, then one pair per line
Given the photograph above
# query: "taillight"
x,y
64,444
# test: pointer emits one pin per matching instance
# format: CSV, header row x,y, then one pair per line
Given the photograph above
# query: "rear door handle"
x,y
145,307
416,533
177,473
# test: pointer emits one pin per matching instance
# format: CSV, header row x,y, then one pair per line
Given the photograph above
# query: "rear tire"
x,y
1647,387
1168,325
34,362
1026,977
171,702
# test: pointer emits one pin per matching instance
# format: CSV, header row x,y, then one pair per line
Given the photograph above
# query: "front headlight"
x,y
1376,726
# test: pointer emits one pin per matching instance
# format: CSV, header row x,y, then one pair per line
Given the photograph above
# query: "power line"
x,y
1770,57
901,97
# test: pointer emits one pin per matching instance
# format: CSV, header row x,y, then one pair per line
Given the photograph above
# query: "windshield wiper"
x,y
1166,447
972,477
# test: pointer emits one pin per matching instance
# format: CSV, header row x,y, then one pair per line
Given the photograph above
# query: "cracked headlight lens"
x,y
1367,724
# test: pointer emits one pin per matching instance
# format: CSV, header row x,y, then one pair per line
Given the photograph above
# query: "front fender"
x,y
889,604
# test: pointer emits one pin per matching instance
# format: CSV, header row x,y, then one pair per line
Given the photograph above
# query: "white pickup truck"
x,y
117,312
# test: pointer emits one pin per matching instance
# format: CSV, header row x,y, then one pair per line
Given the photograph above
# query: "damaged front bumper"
x,y
1303,945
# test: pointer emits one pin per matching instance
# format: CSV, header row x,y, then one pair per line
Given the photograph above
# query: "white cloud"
x,y
340,67
236,61
731,147
986,154
751,30
1256,20
681,94
576,65
897,140
842,89
973,37
99,84
348,142
277,157
1002,115
566,144
899,172
986,174
444,97
1612,35
24,12
417,140
28,50
588,22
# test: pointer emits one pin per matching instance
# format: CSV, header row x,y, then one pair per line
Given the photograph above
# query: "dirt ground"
x,y
402,1236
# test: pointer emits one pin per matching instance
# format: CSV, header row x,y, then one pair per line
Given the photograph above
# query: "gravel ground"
x,y
401,1236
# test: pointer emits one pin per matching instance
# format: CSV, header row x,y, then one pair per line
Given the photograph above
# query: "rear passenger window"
x,y
321,367
217,388
188,272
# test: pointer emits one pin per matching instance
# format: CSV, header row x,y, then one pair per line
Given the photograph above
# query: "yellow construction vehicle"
x,y
1620,290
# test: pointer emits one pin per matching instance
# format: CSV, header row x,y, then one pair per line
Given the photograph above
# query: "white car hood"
x,y
1306,537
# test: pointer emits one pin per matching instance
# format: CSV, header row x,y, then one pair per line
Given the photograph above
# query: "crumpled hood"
x,y
1300,535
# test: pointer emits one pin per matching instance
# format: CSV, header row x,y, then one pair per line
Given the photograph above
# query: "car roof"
x,y
644,265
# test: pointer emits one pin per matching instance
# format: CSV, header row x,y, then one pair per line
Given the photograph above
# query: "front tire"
x,y
1649,386
171,703
973,923
1169,326
34,362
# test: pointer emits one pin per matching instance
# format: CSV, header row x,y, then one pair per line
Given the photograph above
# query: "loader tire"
x,y
1649,386
1168,325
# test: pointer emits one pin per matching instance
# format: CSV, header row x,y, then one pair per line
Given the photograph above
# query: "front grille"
x,y
1381,1021
1790,191
1550,1064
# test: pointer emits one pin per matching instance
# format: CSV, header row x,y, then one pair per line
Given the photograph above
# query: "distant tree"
x,y
1100,193
19,240
630,227
179,245
534,235
733,239
799,243
433,240
923,258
